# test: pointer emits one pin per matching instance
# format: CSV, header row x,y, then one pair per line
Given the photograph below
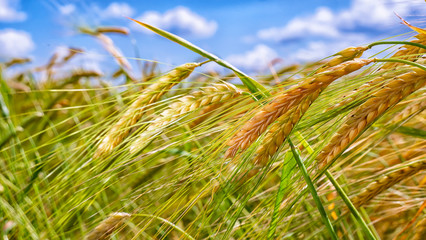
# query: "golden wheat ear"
x,y
217,93
151,94
296,100
108,226
405,170
360,118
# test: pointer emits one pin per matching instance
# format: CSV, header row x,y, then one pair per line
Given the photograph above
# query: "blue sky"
x,y
249,34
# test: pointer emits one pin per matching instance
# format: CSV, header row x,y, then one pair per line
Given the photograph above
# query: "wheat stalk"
x,y
208,95
356,122
287,101
405,170
149,95
107,227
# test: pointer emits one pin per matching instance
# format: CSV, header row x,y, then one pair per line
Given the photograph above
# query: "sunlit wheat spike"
x,y
280,129
366,88
107,227
346,54
356,122
411,109
208,95
288,100
135,111
405,170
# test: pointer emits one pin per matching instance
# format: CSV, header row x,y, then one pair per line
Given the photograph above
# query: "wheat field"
x,y
333,149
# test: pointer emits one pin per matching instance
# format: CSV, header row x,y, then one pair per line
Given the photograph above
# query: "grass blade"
x,y
314,193
256,88
350,206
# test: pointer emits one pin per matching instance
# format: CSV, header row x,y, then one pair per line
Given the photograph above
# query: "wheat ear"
x,y
343,56
411,109
287,101
361,117
206,96
388,180
407,52
107,227
148,96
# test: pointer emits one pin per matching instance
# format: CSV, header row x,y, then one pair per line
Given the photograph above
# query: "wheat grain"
x,y
107,227
149,95
288,100
405,170
208,95
361,117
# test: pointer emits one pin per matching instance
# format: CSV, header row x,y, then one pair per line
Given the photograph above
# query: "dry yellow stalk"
x,y
149,95
361,117
287,101
107,227
208,95
420,230
406,170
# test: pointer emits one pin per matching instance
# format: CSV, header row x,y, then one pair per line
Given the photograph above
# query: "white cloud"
x,y
319,24
256,59
181,21
67,9
9,12
374,14
118,10
15,43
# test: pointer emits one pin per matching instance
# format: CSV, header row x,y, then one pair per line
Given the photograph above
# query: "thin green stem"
x,y
314,193
166,221
350,206
402,61
256,88
397,42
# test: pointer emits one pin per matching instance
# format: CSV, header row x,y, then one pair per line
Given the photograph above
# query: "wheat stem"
x,y
314,193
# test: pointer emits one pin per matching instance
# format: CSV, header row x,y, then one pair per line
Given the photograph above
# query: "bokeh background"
x,y
251,34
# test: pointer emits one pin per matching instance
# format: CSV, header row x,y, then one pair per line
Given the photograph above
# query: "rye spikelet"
x,y
149,95
361,117
289,100
208,95
388,180
107,227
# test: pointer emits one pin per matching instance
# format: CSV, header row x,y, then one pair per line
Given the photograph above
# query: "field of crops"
x,y
333,149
